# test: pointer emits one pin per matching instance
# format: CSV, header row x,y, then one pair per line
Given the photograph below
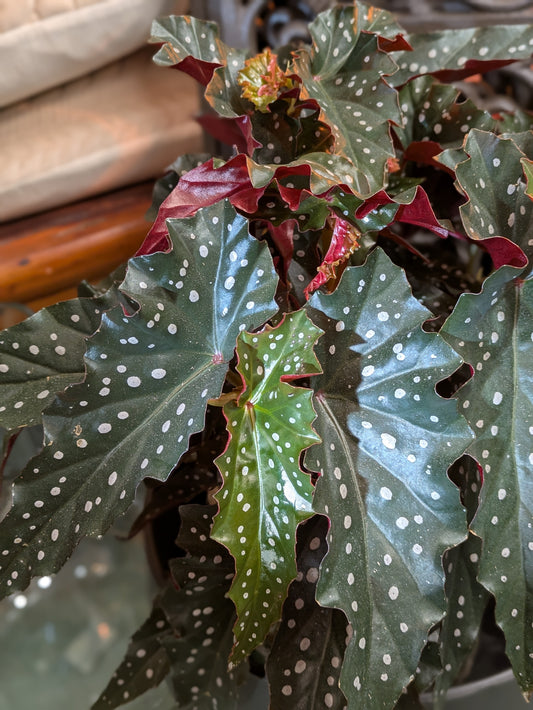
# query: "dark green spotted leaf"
x,y
191,41
285,132
387,442
311,213
44,354
201,616
195,47
149,378
144,666
495,207
343,72
306,657
454,53
224,92
493,332
437,113
467,600
380,22
265,494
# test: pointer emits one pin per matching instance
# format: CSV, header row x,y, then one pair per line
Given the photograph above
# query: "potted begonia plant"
x,y
320,363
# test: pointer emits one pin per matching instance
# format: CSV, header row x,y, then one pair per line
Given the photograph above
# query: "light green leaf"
x,y
388,440
493,332
149,377
265,494
527,166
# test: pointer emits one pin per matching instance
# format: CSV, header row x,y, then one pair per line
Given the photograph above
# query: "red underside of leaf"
x,y
418,212
200,187
424,152
231,131
396,44
282,236
292,195
343,243
472,66
502,251
198,69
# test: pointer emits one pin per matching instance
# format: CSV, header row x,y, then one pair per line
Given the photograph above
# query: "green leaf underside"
x,y
144,666
32,372
343,72
306,657
451,49
388,440
201,616
495,207
265,494
492,331
133,414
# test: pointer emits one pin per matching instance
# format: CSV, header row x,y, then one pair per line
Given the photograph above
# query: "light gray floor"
x,y
61,639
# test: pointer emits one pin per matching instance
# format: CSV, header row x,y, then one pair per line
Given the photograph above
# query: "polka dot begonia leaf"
x,y
201,616
343,72
196,46
185,38
493,332
224,92
305,660
149,378
451,643
490,174
44,354
189,633
466,600
447,52
437,113
144,666
284,137
387,442
265,494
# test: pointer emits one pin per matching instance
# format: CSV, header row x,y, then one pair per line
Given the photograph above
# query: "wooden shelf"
x,y
44,257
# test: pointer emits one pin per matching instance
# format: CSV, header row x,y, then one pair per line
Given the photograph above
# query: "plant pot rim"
x,y
465,690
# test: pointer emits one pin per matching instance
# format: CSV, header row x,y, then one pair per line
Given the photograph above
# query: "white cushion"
x,y
122,124
44,43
